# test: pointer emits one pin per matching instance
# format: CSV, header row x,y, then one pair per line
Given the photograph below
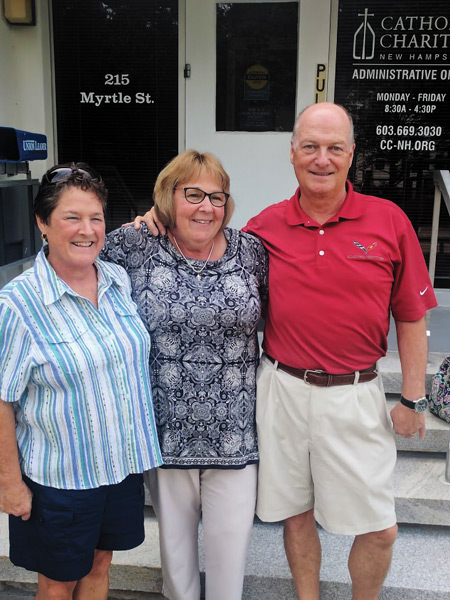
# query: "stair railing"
x,y
447,464
441,188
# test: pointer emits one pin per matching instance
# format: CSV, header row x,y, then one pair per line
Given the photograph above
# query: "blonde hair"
x,y
188,165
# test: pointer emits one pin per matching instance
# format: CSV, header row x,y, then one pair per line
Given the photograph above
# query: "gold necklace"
x,y
196,271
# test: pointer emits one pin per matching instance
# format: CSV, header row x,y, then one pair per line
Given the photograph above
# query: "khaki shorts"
x,y
331,449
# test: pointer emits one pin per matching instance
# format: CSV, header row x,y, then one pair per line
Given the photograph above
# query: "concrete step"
x,y
17,591
421,494
437,324
389,367
133,572
413,576
437,433
422,497
26,591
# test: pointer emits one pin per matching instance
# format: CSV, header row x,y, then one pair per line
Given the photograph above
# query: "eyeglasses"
x,y
196,196
54,175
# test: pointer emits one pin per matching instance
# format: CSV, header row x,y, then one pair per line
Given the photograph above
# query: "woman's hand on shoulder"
x,y
151,220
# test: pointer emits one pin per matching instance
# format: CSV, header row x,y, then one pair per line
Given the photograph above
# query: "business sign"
x,y
393,74
114,96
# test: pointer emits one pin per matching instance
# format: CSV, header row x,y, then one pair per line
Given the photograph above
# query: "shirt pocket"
x,y
65,347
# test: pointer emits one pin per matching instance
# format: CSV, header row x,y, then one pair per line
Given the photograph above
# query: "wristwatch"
x,y
418,406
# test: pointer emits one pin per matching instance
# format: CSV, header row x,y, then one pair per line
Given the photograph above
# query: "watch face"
x,y
421,405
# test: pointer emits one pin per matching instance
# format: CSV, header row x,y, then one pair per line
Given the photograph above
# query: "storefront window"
x,y
116,77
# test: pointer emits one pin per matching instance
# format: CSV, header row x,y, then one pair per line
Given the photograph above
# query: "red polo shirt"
x,y
332,286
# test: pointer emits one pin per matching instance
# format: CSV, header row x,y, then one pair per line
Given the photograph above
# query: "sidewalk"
x,y
27,591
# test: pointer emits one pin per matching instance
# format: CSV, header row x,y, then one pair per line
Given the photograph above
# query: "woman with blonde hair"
x,y
199,290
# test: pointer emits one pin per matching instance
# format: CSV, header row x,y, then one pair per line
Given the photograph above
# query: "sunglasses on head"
x,y
60,173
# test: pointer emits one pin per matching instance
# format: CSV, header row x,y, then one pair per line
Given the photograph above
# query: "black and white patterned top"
x,y
204,350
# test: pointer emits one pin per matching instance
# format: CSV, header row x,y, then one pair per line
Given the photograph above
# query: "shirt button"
x,y
321,231
321,253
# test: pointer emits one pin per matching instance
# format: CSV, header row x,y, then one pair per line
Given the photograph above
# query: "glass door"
x,y
250,67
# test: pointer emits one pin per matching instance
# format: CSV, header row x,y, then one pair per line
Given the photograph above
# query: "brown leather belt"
x,y
322,379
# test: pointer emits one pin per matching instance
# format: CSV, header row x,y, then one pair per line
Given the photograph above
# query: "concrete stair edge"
x,y
255,588
436,438
412,575
422,496
389,367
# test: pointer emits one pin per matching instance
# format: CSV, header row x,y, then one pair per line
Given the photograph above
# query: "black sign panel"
x,y
393,75
116,72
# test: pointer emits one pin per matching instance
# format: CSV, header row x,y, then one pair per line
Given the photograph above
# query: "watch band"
x,y
408,403
418,405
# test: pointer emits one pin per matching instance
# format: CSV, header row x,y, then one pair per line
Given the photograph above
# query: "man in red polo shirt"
x,y
339,263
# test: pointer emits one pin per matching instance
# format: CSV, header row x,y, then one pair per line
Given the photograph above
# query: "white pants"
x,y
226,498
327,448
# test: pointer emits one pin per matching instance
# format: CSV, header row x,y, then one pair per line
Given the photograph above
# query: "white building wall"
x,y
26,88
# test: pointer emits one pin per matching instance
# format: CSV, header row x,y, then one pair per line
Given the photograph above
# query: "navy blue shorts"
x,y
67,526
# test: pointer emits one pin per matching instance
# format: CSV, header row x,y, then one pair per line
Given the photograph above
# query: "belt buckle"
x,y
305,376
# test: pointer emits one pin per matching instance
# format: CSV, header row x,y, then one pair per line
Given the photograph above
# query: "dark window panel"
x,y
128,51
256,66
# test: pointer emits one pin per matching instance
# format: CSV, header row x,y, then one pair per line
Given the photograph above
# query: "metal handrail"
x,y
445,478
442,181
447,464
442,188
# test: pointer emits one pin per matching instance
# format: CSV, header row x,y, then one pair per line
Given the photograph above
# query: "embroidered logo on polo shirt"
x,y
366,252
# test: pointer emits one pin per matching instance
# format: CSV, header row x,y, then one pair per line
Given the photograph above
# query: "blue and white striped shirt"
x,y
79,376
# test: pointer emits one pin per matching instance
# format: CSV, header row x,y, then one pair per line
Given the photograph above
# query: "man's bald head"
x,y
324,106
